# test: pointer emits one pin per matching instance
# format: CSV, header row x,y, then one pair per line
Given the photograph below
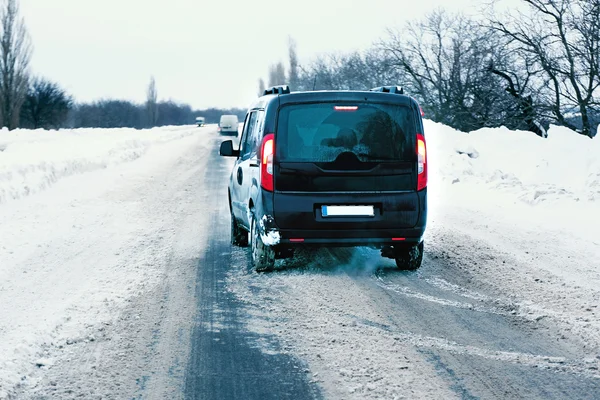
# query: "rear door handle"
x,y
253,162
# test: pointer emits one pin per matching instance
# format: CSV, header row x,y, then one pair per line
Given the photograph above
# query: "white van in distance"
x,y
228,124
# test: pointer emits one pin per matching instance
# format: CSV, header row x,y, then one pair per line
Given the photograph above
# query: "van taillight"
x,y
267,154
421,162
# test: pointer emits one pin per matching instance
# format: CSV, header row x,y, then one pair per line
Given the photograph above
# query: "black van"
x,y
330,168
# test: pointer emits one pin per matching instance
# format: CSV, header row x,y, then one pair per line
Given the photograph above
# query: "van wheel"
x,y
263,257
239,237
409,258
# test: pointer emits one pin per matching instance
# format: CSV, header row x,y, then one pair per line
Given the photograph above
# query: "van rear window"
x,y
321,132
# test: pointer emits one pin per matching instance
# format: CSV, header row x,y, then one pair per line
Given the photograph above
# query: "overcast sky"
x,y
204,53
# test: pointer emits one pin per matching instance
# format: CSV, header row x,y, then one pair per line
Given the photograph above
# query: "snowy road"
x,y
120,282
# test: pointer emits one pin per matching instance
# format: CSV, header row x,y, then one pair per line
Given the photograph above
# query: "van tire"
x,y
239,237
409,258
263,257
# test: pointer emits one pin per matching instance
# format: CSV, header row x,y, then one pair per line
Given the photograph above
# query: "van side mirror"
x,y
227,149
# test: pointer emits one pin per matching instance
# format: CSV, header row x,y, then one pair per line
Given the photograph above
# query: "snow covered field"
x,y
88,223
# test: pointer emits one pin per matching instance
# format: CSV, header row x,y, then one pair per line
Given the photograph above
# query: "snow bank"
x,y
520,214
565,166
32,161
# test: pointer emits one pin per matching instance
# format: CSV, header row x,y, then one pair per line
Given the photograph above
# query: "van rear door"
x,y
331,154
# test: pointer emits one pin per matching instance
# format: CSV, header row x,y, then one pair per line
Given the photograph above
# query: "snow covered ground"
x,y
534,204
91,221
88,223
540,194
32,161
564,167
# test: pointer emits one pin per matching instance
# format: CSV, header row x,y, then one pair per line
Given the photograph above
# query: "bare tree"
x,y
294,65
277,74
443,58
281,76
15,53
525,107
151,103
261,87
349,71
562,37
463,73
46,106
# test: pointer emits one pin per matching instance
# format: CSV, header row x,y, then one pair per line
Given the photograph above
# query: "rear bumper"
x,y
299,222
351,238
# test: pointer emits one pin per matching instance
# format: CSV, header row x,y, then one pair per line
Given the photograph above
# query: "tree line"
x,y
521,69
121,113
36,102
48,106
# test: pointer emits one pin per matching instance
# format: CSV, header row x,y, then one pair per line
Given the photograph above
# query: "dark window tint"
x,y
244,132
249,136
322,132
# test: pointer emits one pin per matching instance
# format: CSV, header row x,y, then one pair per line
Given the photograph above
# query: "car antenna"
x,y
315,82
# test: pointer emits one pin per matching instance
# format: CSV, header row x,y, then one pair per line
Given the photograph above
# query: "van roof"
x,y
357,96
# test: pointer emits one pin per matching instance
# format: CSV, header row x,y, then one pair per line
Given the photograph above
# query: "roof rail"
x,y
282,89
389,89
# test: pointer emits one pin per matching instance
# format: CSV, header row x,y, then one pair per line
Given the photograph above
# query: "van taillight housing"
x,y
421,162
267,154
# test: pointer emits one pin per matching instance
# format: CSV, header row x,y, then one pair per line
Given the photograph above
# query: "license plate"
x,y
347,211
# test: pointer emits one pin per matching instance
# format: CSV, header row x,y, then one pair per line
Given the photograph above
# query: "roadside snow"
x,y
542,191
522,215
88,227
492,162
32,161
